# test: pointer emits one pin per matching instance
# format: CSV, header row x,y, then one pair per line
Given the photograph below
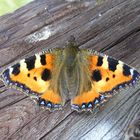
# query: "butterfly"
x,y
84,76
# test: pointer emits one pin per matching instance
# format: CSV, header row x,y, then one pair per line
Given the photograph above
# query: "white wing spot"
x,y
121,63
23,66
10,70
120,66
132,71
37,62
105,62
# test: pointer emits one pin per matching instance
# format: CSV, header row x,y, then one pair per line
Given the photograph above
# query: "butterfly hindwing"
x,y
106,76
33,76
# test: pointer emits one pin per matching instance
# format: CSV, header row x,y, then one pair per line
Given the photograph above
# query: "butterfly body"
x,y
84,76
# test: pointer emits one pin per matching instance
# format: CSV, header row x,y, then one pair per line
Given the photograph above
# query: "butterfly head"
x,y
72,44
71,50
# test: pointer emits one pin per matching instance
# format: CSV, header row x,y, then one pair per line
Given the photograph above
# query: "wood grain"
x,y
108,26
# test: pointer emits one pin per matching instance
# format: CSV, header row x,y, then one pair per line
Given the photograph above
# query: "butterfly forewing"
x,y
33,76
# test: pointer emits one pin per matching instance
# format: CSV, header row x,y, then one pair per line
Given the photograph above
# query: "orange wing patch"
x,y
87,100
33,72
33,75
109,74
52,97
86,97
50,100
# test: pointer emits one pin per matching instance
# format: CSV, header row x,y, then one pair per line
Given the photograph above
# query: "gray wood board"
x,y
110,26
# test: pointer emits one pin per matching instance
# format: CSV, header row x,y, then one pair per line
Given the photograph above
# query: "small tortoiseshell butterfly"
x,y
85,76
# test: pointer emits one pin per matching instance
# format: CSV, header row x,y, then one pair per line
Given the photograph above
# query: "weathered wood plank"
x,y
111,27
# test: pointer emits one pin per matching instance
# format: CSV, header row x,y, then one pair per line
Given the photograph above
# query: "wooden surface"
x,y
109,26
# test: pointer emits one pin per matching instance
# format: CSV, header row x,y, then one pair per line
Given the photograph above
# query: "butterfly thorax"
x,y
71,77
71,71
70,54
74,71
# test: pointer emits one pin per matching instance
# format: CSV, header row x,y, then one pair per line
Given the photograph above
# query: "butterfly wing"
x,y
35,77
109,74
106,75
